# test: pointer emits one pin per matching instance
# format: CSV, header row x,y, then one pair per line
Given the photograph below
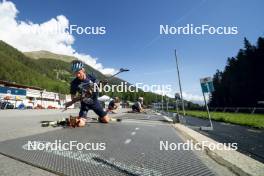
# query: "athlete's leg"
x,y
81,120
98,109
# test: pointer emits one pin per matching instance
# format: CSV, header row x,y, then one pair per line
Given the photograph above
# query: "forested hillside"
x,y
241,83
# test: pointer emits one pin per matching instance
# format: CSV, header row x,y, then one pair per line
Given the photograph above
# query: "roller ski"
x,y
67,122
72,122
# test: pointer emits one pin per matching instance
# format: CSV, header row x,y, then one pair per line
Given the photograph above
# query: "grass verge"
x,y
253,120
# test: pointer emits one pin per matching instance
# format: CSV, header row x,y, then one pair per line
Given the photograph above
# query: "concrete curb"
x,y
233,160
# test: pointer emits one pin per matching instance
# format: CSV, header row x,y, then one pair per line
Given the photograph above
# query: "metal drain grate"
x,y
139,157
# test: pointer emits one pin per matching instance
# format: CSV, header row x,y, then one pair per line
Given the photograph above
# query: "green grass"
x,y
253,120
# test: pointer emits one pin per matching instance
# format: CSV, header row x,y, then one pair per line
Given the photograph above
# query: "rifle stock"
x,y
74,100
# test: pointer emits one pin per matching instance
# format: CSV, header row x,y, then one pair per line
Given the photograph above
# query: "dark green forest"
x,y
241,83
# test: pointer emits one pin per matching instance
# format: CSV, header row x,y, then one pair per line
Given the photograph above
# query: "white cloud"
x,y
193,98
49,35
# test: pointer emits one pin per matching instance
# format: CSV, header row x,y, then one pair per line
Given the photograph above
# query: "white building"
x,y
33,97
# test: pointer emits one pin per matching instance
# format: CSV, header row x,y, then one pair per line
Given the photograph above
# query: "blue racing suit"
x,y
90,103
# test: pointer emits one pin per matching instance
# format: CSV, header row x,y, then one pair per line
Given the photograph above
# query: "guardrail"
x,y
251,110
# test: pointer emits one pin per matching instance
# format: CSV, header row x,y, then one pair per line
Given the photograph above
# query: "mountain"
x,y
16,67
46,56
41,68
49,55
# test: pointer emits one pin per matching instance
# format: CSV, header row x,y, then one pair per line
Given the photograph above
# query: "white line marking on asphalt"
x,y
137,128
143,123
128,141
133,133
167,119
254,131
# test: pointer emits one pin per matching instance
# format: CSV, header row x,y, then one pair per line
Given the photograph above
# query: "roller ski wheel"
x,y
116,120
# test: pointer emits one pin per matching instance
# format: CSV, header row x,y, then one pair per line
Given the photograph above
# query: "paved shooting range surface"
x,y
132,147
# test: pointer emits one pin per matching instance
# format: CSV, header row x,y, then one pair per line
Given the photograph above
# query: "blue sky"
x,y
133,38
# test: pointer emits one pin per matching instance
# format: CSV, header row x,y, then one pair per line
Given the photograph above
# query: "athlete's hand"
x,y
80,122
104,82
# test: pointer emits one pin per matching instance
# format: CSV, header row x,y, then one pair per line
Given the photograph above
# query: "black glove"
x,y
104,82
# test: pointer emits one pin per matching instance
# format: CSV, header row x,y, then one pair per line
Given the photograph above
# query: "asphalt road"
x,y
250,140
132,147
